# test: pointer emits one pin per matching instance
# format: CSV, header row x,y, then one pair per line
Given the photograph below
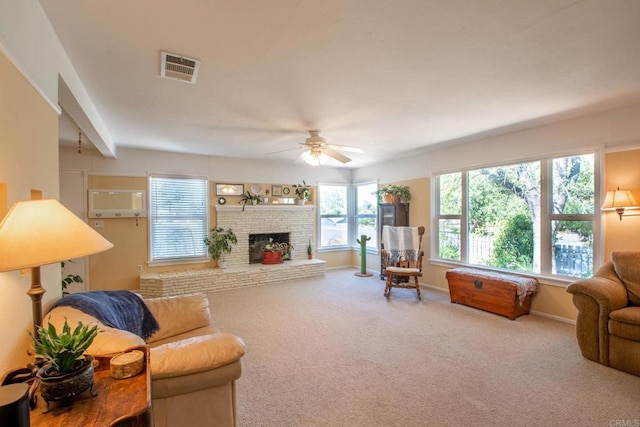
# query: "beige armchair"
x,y
193,365
608,324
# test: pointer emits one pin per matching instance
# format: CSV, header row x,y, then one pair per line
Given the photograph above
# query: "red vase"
x,y
271,258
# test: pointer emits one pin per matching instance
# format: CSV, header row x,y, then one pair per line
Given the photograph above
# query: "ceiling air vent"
x,y
179,67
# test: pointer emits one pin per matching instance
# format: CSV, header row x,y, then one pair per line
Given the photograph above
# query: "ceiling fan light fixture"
x,y
315,158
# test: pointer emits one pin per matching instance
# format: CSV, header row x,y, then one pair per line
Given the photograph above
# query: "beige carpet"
x,y
335,352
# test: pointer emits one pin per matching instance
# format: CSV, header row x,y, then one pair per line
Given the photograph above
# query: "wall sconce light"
x,y
41,232
619,200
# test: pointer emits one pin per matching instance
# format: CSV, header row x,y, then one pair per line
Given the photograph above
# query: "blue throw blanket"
x,y
117,309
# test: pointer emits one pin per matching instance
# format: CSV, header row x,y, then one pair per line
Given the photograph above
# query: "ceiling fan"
x,y
317,151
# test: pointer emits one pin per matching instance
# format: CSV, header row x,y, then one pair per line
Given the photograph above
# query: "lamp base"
x,y
35,292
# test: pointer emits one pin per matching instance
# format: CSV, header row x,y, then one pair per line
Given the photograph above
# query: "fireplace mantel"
x,y
277,207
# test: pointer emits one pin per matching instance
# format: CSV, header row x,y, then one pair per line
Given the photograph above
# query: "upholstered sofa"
x,y
608,324
193,365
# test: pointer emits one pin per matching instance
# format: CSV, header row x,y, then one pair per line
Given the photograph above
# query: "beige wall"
x,y
28,165
622,170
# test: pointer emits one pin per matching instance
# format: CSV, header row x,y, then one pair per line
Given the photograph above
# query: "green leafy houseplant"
x,y
249,198
64,349
277,247
220,242
303,191
275,252
395,193
69,279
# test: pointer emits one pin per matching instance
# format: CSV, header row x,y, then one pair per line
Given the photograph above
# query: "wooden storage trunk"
x,y
505,294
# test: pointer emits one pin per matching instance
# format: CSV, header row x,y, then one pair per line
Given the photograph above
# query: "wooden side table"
x,y
121,403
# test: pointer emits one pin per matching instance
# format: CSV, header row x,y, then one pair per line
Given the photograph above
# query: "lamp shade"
x,y
617,199
41,232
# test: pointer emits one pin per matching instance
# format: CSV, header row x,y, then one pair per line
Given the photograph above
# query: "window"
x,y
366,216
334,220
536,217
450,216
346,213
179,218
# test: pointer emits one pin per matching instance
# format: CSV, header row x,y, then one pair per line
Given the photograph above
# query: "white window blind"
x,y
179,220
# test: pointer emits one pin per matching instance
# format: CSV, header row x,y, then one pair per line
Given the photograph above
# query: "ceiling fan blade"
x,y
345,148
338,156
282,151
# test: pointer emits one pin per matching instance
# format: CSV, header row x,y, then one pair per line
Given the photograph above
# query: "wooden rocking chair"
x,y
403,268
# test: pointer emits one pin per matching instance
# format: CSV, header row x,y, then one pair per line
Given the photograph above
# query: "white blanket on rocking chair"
x,y
402,243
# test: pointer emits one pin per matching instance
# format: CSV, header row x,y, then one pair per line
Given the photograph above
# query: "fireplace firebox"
x,y
257,242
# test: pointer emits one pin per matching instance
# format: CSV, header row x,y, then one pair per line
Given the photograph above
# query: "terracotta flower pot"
x,y
272,258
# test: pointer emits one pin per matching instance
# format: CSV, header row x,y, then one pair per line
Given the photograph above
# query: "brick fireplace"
x,y
298,221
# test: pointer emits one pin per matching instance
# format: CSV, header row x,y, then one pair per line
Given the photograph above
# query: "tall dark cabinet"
x,y
395,214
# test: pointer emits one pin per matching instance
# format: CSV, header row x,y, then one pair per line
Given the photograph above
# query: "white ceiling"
x,y
390,77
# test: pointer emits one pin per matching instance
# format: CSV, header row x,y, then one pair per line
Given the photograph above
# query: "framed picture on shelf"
x,y
276,190
229,189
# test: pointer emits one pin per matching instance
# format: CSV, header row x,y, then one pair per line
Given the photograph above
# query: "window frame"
x,y
329,216
546,214
177,259
357,216
351,215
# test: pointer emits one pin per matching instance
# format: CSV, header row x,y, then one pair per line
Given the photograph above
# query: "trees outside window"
x,y
510,217
346,212
333,209
366,215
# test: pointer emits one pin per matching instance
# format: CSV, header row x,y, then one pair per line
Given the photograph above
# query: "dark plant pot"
x,y
271,258
55,387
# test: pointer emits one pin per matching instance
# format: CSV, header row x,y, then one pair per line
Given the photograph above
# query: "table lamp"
x,y
41,232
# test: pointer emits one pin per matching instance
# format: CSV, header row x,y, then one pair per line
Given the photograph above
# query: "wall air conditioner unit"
x,y
178,67
117,204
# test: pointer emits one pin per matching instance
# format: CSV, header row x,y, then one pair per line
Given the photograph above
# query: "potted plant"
x,y
303,192
273,252
67,371
309,250
220,243
392,193
249,198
